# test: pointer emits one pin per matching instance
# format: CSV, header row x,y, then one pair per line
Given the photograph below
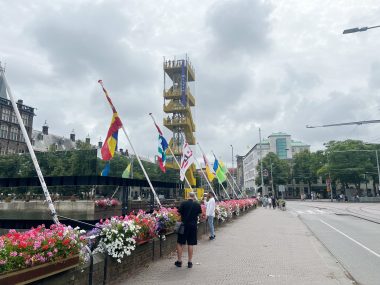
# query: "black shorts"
x,y
190,235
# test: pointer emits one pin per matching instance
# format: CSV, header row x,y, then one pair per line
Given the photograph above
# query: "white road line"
x,y
299,212
350,238
310,212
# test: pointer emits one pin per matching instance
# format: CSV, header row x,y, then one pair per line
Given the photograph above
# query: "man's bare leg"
x,y
190,252
179,251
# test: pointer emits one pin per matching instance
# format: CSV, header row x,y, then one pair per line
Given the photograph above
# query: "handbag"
x,y
179,227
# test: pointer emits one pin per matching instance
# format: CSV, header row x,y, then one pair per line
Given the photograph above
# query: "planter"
x,y
27,275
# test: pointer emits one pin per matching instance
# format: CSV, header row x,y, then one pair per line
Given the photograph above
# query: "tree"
x,y
280,170
347,166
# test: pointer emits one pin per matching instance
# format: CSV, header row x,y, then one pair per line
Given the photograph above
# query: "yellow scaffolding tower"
x,y
178,101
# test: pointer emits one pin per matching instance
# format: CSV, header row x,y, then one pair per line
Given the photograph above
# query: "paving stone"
x,y
262,247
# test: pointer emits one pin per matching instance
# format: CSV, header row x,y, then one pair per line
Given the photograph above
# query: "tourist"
x,y
274,202
189,211
210,214
270,202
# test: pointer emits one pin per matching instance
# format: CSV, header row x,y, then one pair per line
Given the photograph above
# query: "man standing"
x,y
210,214
189,211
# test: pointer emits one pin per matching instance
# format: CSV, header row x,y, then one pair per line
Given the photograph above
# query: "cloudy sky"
x,y
278,65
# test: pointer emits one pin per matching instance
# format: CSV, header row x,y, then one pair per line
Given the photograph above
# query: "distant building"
x,y
43,141
11,138
278,143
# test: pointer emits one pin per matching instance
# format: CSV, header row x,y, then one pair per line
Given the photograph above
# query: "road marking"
x,y
310,212
299,212
350,238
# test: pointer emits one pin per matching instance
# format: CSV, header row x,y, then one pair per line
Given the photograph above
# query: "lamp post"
x,y
356,30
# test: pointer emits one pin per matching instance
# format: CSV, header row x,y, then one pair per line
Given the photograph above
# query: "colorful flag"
x,y
110,144
210,175
220,174
186,161
127,171
162,147
106,169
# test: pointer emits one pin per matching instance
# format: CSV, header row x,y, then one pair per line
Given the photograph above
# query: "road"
x,y
350,231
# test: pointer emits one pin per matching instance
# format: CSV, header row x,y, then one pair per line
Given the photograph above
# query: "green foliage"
x,y
350,161
307,164
280,169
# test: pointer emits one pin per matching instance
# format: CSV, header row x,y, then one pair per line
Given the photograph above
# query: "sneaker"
x,y
178,263
212,237
189,264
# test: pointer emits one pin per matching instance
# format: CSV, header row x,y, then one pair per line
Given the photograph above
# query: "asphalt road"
x,y
351,232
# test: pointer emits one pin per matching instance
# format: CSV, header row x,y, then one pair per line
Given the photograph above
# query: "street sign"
x,y
281,188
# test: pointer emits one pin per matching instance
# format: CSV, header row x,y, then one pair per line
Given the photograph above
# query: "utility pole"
x,y
261,164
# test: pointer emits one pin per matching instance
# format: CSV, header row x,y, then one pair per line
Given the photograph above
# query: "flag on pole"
x,y
162,147
186,161
127,171
106,169
110,143
219,171
209,173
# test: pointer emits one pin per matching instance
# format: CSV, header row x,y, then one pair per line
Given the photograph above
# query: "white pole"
x,y
180,170
227,178
31,151
225,191
134,151
233,179
204,175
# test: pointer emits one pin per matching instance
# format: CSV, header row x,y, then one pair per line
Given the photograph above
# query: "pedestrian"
x,y
210,214
270,202
189,211
274,202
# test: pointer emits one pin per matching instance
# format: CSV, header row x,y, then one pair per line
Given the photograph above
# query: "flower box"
x,y
39,272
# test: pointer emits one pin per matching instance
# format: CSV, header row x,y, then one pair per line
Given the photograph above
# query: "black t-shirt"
x,y
188,217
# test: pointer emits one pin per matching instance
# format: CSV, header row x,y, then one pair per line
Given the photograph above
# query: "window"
x,y
13,134
4,131
13,118
25,119
6,115
281,148
22,139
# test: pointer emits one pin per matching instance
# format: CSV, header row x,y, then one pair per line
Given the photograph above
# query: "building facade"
x,y
278,143
11,138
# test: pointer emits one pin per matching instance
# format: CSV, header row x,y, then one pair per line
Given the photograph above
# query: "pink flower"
x,y
13,253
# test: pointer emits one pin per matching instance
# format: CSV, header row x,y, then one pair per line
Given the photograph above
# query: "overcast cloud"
x,y
279,64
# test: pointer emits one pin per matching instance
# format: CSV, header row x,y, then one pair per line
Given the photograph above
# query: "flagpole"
x,y
227,179
208,182
237,186
154,121
225,191
31,151
203,171
134,151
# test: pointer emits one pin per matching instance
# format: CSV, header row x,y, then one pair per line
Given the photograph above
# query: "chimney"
x,y
88,139
19,101
45,129
100,143
72,136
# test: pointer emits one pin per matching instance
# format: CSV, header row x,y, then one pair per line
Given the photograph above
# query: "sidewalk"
x,y
265,246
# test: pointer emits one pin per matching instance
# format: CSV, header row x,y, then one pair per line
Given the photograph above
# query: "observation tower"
x,y
178,101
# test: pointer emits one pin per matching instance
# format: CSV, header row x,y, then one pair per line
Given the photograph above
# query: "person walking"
x,y
274,202
189,211
210,214
270,202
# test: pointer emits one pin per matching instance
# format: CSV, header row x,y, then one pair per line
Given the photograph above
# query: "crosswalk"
x,y
297,212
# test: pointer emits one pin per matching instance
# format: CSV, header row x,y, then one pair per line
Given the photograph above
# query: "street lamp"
x,y
356,30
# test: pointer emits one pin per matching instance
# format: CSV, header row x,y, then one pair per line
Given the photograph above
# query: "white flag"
x,y
187,160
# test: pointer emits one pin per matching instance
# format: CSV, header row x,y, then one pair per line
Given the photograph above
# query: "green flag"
x,y
127,171
219,171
